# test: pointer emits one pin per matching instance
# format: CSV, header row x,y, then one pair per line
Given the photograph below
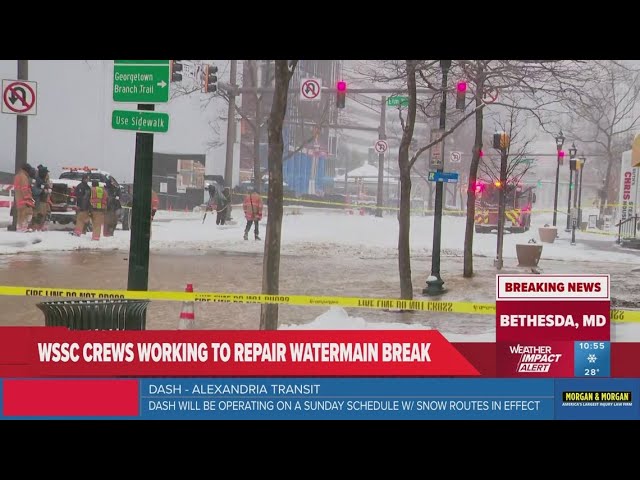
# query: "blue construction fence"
x,y
297,173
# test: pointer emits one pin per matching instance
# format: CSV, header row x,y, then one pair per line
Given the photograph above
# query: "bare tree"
x,y
537,86
517,165
406,164
271,264
605,114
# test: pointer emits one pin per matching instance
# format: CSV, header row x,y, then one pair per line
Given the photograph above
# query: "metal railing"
x,y
627,229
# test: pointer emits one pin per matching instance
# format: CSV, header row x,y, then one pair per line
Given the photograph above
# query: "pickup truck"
x,y
63,200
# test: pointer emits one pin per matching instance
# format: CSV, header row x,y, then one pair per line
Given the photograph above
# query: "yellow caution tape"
x,y
617,316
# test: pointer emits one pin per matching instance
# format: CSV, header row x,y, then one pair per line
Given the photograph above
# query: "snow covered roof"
x,y
368,173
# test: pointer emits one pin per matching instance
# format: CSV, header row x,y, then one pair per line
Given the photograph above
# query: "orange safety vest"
x,y
98,198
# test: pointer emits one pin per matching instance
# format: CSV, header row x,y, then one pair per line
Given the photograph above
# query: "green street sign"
x,y
142,62
140,121
398,101
141,81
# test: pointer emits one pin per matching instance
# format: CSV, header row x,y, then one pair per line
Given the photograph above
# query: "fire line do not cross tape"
x,y
617,316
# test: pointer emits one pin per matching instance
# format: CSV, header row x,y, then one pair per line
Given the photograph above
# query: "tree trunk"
x,y
271,262
604,196
473,175
257,170
404,215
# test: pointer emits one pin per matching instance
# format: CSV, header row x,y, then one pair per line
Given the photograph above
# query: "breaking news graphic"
x,y
552,325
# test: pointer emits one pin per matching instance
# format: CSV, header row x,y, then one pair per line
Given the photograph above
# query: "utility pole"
x,y
382,135
435,282
22,128
231,125
231,130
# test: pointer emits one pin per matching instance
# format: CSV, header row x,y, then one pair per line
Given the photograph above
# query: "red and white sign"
x,y
381,146
540,317
19,97
310,89
490,96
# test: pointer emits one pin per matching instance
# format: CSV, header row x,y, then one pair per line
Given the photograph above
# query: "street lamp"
x,y
583,160
574,166
572,162
559,143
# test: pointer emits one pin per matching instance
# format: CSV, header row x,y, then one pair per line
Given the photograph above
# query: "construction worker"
x,y
99,199
225,200
42,196
155,204
252,206
24,198
113,205
83,205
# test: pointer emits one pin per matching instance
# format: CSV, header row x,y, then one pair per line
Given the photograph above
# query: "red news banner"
x,y
58,352
540,317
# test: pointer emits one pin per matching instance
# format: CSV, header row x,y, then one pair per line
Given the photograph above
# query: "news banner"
x,y
553,359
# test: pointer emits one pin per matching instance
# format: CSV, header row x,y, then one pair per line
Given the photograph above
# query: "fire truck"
x,y
519,200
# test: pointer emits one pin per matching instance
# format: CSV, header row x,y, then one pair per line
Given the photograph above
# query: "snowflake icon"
x,y
592,358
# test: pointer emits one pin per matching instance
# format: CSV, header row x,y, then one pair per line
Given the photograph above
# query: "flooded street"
x,y
220,271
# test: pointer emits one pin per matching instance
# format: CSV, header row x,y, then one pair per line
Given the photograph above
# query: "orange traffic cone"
x,y
187,315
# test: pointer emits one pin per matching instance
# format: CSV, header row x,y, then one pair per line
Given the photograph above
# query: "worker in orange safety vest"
x,y
24,198
99,198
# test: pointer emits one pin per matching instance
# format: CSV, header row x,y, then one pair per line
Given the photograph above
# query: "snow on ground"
x,y
336,318
318,232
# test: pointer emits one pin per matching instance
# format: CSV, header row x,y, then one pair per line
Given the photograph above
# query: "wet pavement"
x,y
220,271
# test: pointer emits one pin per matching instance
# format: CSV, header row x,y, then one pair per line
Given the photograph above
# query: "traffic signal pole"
x,y
499,263
435,282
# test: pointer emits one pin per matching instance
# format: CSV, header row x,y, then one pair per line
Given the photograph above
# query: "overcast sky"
x,y
73,121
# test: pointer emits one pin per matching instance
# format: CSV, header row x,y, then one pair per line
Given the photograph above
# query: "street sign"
x,y
435,152
141,81
444,177
310,89
490,96
163,187
140,121
19,97
455,157
398,101
381,146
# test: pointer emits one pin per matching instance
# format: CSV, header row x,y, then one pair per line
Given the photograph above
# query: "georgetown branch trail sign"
x,y
141,81
140,121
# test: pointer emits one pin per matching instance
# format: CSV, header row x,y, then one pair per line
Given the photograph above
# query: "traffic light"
x,y
210,78
176,68
341,96
461,91
497,183
501,141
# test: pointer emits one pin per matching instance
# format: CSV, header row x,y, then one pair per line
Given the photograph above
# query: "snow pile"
x,y
321,234
336,318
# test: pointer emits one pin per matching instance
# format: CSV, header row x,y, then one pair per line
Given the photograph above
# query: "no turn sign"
x,y
19,97
455,157
381,146
310,89
490,96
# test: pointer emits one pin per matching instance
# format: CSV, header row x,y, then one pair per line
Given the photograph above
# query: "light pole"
x,y
572,155
573,166
434,282
583,160
559,143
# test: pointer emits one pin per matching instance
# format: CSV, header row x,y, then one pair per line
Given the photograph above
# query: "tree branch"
x,y
445,135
